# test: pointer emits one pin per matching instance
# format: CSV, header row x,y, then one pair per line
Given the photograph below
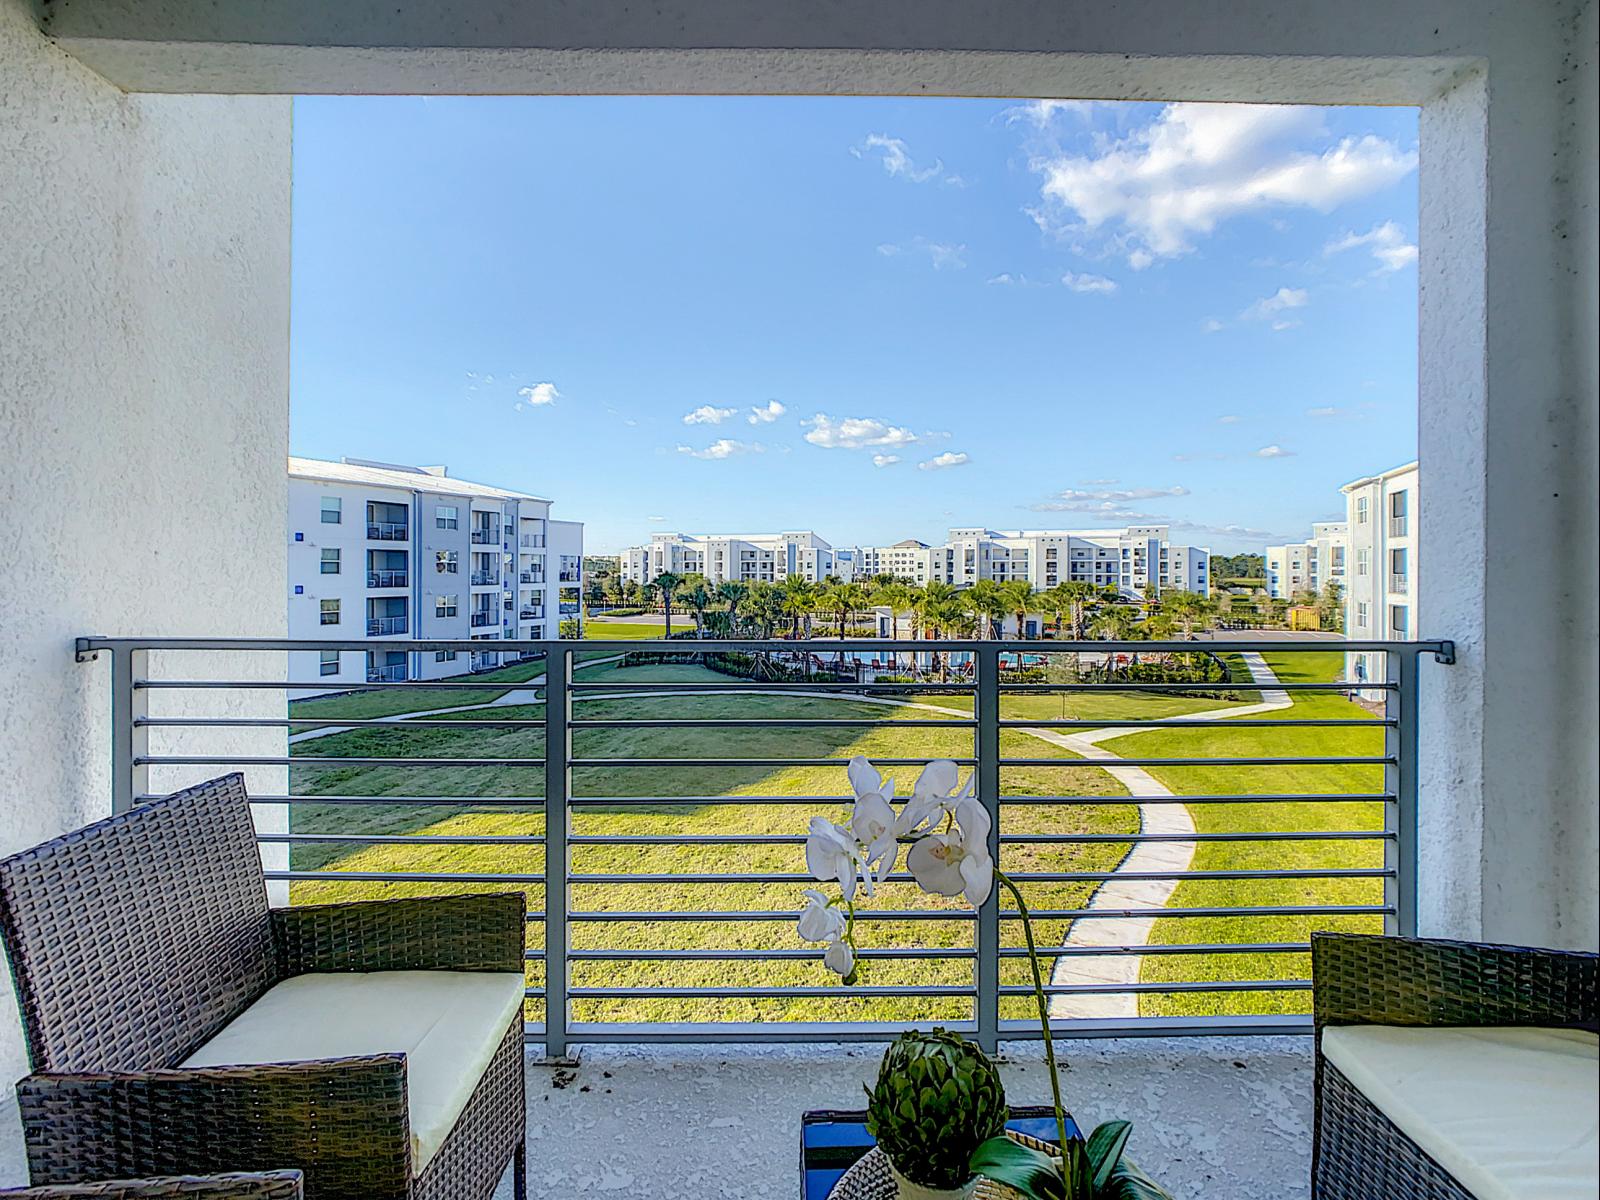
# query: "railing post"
x,y
557,750
130,741
1400,781
986,708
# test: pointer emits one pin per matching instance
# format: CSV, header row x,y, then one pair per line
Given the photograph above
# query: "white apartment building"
x,y
1139,560
742,557
384,552
1381,584
1311,565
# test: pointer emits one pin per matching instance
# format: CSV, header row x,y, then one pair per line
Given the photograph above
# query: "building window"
x,y
1361,510
332,510
1362,561
330,561
330,612
445,606
444,656
329,664
448,562
447,516
1399,621
1361,614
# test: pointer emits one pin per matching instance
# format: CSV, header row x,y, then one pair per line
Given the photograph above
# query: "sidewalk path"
x,y
1166,857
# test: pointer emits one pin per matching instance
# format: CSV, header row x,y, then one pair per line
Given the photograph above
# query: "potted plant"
x,y
933,1100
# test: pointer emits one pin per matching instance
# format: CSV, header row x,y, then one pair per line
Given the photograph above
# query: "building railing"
x,y
531,614
531,577
485,579
1399,526
1203,861
388,531
482,619
485,537
1400,585
572,576
385,626
386,579
393,674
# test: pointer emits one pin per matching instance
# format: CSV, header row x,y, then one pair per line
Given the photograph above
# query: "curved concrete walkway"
x,y
1121,968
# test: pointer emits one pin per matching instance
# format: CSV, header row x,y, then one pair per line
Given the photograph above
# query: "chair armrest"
x,y
266,1185
343,1122
1366,980
478,932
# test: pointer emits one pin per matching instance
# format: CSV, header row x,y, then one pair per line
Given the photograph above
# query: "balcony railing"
x,y
1400,585
1174,873
1399,526
485,579
388,531
532,577
392,674
386,579
485,537
385,626
481,620
570,576
533,541
531,614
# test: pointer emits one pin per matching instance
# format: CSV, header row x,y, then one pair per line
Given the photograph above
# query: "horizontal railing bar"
x,y
786,1032
326,760
421,801
815,685
1206,723
403,877
799,877
1190,687
817,646
405,839
682,914
733,955
756,688
699,801
1303,761
863,992
1121,989
778,722
922,914
660,763
1069,839
340,722
1160,949
1253,910
1263,798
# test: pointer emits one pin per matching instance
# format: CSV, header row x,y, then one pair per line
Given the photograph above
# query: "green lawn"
x,y
388,702
1306,817
622,631
667,819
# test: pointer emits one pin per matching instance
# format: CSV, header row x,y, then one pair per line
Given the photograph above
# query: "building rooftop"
x,y
1381,475
397,475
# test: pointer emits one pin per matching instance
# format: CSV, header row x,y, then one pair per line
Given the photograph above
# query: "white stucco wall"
x,y
144,285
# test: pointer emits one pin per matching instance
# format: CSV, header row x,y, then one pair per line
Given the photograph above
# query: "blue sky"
x,y
881,317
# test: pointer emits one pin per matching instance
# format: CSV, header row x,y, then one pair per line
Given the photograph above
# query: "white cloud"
x,y
944,461
1154,191
855,433
1386,242
885,460
766,414
1281,300
1229,419
657,520
536,396
1243,532
1093,284
1280,325
896,158
1274,451
1005,279
940,254
1099,482
708,414
1105,502
1326,410
1039,113
722,448
1212,325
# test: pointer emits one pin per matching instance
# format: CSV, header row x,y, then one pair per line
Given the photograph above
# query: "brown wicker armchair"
x,y
267,1185
144,942
1359,1152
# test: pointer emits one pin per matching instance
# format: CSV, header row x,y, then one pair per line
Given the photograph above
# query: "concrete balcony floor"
x,y
1212,1117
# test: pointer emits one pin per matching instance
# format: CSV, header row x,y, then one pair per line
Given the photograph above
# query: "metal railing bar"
x,y
420,801
1276,835
1122,989
402,877
778,722
755,1032
803,877
1198,723
1262,798
1161,949
683,914
736,683
333,722
1303,761
861,992
1252,910
333,760
402,839
657,763
733,955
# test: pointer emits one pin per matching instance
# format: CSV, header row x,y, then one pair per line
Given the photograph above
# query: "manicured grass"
x,y
666,819
623,631
388,702
1335,815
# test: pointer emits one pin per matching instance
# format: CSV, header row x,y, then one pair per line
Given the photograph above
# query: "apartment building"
x,y
1382,513
743,557
1311,565
910,560
385,552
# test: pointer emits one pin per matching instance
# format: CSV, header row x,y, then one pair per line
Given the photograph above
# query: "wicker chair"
x,y
135,941
268,1185
1359,1153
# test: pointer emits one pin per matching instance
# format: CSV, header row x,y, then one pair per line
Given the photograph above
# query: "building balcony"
x,y
1399,585
385,626
1399,527
531,577
386,579
485,537
573,576
485,579
388,531
482,620
393,674
531,614
532,541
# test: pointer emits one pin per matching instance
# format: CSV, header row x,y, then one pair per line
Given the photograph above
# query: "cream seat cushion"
x,y
1511,1113
448,1024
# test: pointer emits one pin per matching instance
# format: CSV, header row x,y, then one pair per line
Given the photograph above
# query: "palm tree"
x,y
934,607
666,584
987,600
1188,609
799,602
848,600
1077,596
730,592
1017,595
697,595
1115,623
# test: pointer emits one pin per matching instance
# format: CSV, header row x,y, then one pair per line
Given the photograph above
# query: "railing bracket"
x,y
83,653
561,1062
1446,653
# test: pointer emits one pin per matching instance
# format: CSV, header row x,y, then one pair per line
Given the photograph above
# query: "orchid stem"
x,y
1044,1019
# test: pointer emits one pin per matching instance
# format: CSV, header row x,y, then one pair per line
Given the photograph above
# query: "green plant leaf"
x,y
1128,1182
1104,1149
1031,1172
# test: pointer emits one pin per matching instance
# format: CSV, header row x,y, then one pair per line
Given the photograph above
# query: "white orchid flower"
x,y
957,863
819,921
840,958
933,797
832,854
874,822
